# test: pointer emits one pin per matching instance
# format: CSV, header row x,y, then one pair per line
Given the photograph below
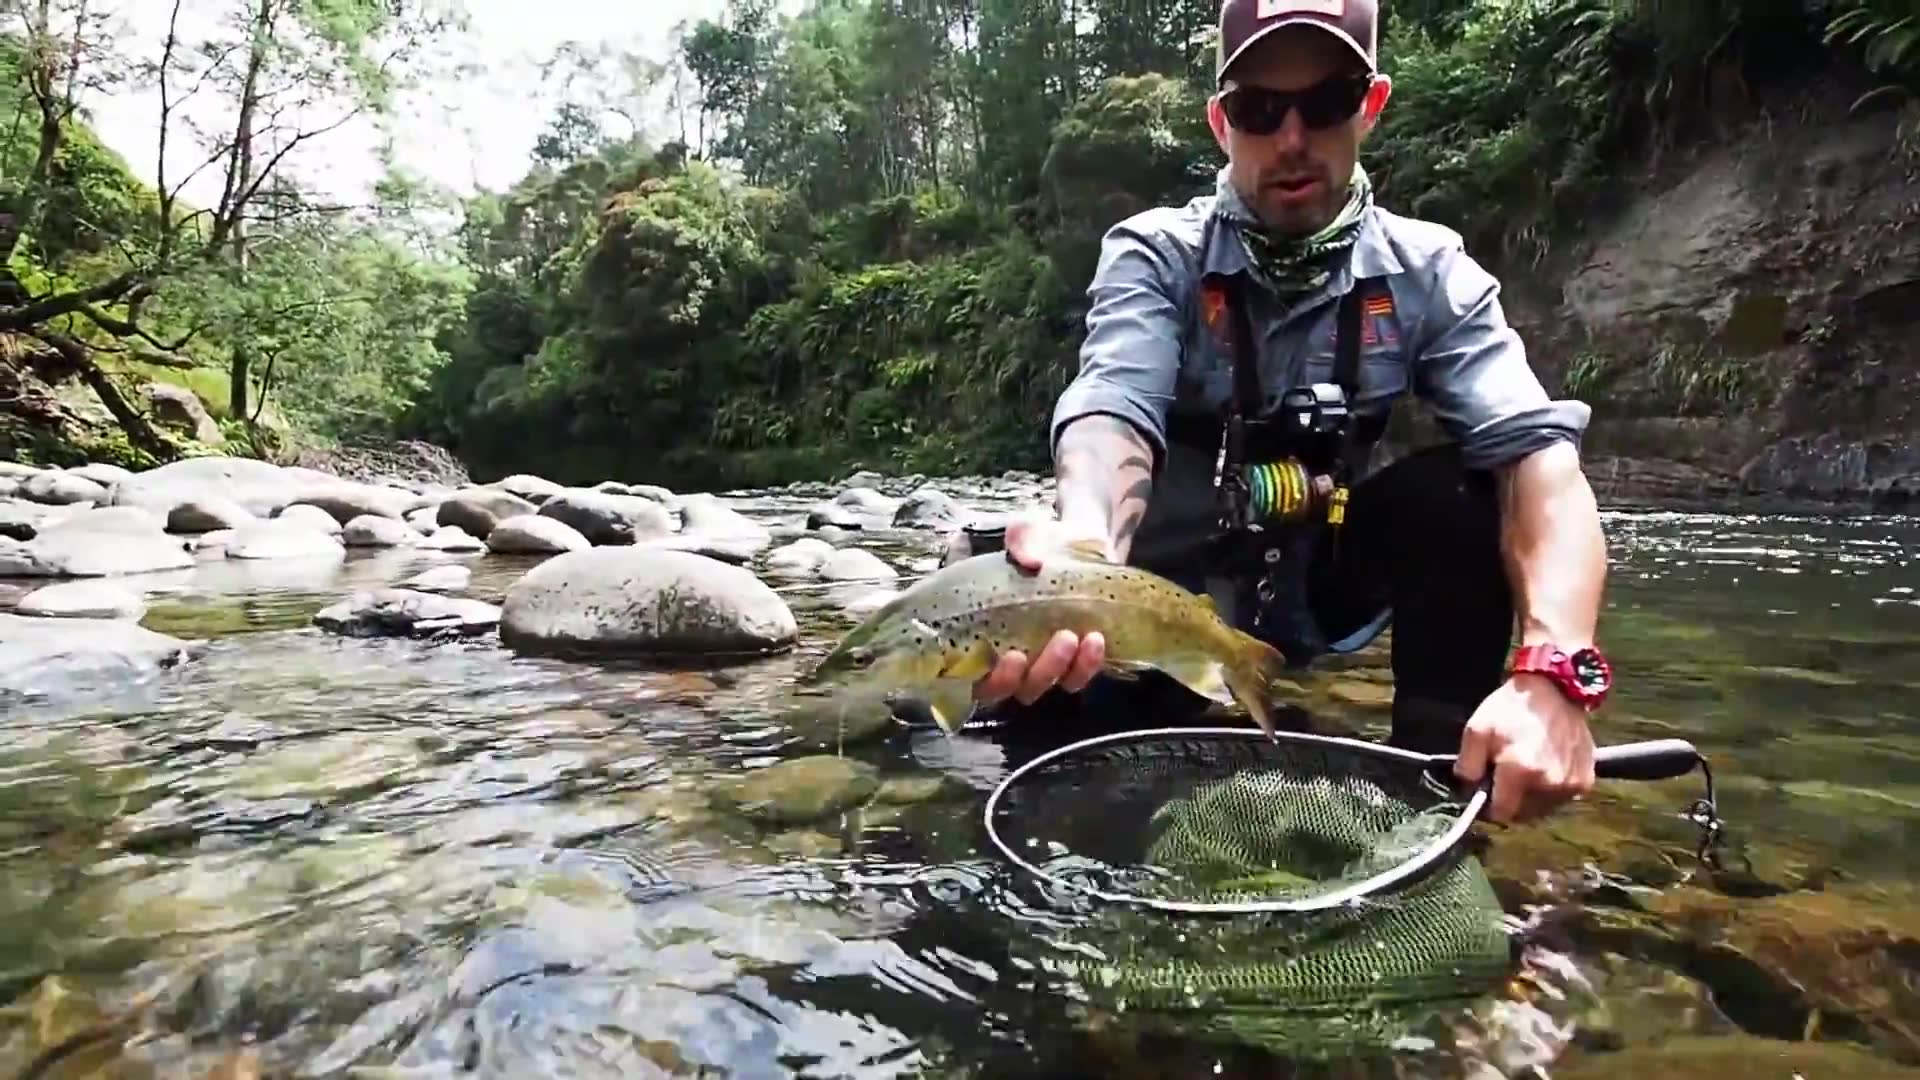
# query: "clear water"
x,y
308,855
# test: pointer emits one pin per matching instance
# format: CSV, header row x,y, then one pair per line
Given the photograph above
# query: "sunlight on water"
x,y
337,854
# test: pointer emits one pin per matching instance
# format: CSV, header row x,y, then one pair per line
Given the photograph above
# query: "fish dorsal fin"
x,y
1088,550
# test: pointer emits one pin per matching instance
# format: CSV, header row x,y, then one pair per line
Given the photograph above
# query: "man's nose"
x,y
1291,136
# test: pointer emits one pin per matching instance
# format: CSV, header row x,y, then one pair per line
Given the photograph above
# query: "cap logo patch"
x,y
1269,8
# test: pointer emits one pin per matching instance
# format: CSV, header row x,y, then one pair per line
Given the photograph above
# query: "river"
x,y
305,855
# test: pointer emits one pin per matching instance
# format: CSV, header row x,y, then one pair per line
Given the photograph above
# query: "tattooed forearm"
x,y
1103,477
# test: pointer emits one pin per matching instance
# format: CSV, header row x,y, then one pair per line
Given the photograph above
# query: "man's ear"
x,y
1217,120
1376,100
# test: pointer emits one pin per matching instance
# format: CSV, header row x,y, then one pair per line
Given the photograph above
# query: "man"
x,y
1292,262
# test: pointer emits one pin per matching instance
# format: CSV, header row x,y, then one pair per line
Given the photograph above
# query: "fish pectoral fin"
x,y
1128,670
1207,678
951,702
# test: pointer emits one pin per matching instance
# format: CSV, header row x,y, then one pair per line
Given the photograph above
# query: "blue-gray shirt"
x,y
1148,353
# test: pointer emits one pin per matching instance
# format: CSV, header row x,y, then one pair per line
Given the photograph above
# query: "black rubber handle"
x,y
1655,759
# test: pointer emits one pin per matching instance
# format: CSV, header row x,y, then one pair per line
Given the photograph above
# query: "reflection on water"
x,y
308,854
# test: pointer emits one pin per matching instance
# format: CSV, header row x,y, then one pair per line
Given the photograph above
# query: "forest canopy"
x,y
863,234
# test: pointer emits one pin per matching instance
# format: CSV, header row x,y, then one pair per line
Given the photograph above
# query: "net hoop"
x,y
1343,896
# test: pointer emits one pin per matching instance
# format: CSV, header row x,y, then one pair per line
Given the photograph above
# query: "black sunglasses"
x,y
1257,110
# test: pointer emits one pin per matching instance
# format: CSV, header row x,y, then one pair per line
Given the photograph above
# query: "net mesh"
x,y
1193,818
1229,818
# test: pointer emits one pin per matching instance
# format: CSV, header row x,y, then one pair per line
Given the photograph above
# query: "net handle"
x,y
1333,898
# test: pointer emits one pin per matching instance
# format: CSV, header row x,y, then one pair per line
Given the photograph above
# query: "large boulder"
x,y
260,486
644,602
279,538
63,489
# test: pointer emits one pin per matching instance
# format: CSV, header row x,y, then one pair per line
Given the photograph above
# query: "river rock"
x,y
928,508
533,534
42,657
260,486
406,613
374,531
119,520
606,518
478,509
101,472
63,489
313,517
855,564
800,791
344,500
208,515
78,551
440,579
453,538
15,470
211,542
708,516
1735,1056
82,600
657,493
534,489
801,557
832,515
424,520
20,520
282,539
181,409
644,601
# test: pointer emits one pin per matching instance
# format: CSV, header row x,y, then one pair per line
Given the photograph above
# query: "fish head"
x,y
890,650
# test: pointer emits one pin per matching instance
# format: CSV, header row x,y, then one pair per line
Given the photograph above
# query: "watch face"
x,y
1592,671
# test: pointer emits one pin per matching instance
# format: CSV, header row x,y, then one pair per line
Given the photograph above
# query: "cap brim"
x,y
1296,20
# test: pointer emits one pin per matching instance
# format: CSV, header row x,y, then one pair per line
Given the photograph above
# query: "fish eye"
x,y
860,657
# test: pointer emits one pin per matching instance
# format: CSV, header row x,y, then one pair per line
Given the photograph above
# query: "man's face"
x,y
1295,178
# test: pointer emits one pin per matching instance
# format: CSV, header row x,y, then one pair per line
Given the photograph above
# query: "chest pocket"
x,y
1365,322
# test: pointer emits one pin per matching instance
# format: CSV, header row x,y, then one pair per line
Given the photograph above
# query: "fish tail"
x,y
1257,667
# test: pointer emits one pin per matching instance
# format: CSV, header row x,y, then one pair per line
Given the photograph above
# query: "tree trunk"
x,y
139,433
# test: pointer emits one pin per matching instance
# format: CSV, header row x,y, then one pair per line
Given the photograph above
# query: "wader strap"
x,y
1346,340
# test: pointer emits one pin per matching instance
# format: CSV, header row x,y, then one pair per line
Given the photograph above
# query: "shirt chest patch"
x,y
1377,321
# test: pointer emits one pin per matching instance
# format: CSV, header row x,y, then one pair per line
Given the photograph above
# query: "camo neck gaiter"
x,y
1291,265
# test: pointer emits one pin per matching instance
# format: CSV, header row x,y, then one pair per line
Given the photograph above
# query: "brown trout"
x,y
937,638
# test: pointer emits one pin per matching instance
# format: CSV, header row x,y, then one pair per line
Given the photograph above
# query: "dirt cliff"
x,y
1747,323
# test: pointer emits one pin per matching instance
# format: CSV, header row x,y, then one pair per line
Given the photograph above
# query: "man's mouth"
x,y
1294,185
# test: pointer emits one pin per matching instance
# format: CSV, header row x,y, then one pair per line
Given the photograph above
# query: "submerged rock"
x,y
644,601
800,791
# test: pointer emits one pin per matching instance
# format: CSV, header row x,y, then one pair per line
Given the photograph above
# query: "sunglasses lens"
x,y
1259,111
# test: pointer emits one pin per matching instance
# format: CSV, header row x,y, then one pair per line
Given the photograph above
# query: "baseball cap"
x,y
1244,22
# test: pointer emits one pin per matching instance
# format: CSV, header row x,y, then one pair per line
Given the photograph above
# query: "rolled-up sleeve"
x,y
1472,368
1131,356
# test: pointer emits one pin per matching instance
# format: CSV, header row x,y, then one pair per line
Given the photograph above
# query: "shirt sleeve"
x,y
1131,356
1473,369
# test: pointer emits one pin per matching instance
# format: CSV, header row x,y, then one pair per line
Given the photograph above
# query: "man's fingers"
x,y
1087,662
1475,747
999,684
1512,782
1046,668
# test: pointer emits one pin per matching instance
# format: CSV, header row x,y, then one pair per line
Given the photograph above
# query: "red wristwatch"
x,y
1583,675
